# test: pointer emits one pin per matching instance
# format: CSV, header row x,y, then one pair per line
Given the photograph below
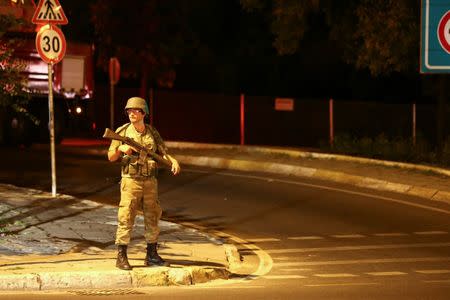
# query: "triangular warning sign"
x,y
49,12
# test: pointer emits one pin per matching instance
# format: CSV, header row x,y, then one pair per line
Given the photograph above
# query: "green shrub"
x,y
384,147
446,152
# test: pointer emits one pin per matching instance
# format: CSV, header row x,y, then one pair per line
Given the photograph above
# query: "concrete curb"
x,y
159,276
292,153
295,153
233,257
286,169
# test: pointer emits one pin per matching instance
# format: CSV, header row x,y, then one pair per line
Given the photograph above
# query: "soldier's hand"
x,y
126,149
175,167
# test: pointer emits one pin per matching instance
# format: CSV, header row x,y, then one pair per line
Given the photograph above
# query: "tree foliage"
x,y
387,36
379,35
148,36
12,82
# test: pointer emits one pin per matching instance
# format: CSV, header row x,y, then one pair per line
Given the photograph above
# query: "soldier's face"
x,y
135,115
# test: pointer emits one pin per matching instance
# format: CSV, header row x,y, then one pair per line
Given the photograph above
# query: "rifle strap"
x,y
122,128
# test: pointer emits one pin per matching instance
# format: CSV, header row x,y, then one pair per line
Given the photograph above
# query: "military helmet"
x,y
137,102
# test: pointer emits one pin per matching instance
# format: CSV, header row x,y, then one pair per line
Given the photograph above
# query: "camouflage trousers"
x,y
138,194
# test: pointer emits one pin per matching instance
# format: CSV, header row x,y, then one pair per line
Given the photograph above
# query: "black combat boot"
x,y
122,258
152,258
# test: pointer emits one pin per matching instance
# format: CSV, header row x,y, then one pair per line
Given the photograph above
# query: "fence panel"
x,y
214,118
197,117
369,119
306,125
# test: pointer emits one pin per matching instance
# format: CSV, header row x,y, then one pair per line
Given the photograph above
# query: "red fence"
x,y
213,118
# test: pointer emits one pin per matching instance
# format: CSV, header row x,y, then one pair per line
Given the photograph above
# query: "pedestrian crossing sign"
x,y
49,12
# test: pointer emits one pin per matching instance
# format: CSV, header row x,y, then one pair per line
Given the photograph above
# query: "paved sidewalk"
x,y
68,243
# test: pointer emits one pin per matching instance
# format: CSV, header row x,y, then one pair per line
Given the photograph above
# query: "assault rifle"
x,y
143,151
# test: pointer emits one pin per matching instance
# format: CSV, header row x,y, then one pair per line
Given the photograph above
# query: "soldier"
x,y
138,187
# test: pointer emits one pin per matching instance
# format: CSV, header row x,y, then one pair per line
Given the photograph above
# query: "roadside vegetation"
x,y
12,82
391,148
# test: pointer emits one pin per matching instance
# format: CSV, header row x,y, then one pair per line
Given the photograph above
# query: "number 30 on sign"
x,y
50,44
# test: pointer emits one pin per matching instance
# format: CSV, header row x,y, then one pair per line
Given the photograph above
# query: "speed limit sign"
x,y
51,44
444,32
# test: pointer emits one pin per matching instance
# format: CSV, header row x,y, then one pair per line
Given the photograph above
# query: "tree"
x,y
380,35
13,84
148,37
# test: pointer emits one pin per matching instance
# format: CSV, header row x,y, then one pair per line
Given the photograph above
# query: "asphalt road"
x,y
303,238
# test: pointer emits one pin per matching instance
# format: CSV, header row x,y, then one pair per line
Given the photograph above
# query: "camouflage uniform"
x,y
139,186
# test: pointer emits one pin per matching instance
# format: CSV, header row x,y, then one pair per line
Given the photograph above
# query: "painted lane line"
x,y
282,258
299,238
336,275
284,277
225,287
295,269
437,281
394,273
355,248
393,234
433,271
430,232
263,240
265,261
364,261
348,236
342,284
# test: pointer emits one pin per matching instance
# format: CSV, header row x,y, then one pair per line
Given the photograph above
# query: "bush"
x,y
384,147
446,152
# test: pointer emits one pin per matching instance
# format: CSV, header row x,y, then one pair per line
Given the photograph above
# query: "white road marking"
x,y
433,271
348,236
224,287
263,240
430,232
355,248
284,277
437,281
265,261
295,269
394,273
305,238
282,258
394,234
322,187
341,284
337,275
364,261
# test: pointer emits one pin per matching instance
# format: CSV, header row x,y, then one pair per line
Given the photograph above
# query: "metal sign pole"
x,y
51,47
242,119
331,113
152,103
114,73
51,126
111,113
414,123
